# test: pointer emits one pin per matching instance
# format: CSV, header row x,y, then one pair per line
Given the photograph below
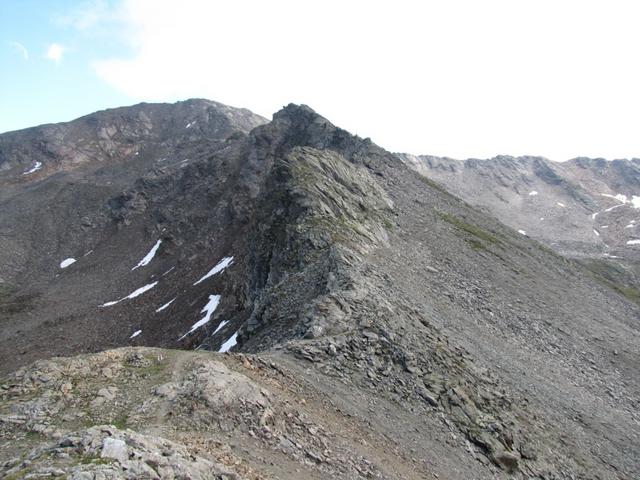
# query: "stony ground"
x,y
152,413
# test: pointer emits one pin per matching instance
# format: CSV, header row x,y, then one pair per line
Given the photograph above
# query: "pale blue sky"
x,y
460,78
35,89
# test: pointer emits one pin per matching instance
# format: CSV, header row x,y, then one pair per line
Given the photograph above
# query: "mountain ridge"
x,y
326,264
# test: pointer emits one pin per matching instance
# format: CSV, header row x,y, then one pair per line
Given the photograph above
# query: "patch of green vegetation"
x,y
631,293
388,224
19,474
31,435
476,244
432,184
611,276
94,459
473,230
120,422
155,369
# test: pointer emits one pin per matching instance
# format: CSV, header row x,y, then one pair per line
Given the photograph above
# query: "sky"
x,y
457,78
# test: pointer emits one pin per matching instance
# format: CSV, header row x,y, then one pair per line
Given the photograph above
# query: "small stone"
x,y
371,336
114,448
314,332
266,417
167,390
50,472
527,451
413,369
506,460
314,456
428,397
67,442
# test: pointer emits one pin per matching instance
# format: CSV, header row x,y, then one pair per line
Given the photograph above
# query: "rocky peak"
x,y
116,135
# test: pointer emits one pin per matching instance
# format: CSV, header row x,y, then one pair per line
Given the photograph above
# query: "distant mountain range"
x,y
586,209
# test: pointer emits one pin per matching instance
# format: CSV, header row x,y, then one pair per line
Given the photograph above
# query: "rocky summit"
x,y
194,291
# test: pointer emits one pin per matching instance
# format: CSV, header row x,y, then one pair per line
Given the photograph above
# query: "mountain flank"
x,y
278,299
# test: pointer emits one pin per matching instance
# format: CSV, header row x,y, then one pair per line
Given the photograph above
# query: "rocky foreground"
x,y
151,413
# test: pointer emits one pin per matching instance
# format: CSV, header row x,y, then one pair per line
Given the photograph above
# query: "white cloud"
x,y
21,49
85,16
88,15
459,78
54,52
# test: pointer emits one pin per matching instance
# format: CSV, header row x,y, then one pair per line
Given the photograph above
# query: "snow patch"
x,y
134,294
618,196
631,225
633,242
149,256
222,324
168,271
623,199
66,262
522,232
36,167
163,307
596,232
593,217
232,342
140,291
532,193
209,308
136,333
541,218
561,204
220,266
614,207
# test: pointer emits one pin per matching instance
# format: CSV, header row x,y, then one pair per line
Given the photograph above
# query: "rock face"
x,y
387,328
